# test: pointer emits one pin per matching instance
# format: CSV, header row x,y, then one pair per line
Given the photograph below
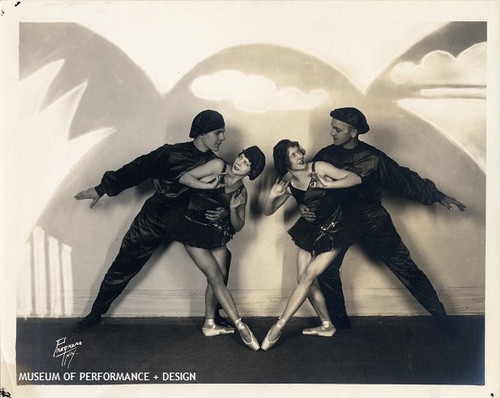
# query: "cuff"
x,y
100,190
439,196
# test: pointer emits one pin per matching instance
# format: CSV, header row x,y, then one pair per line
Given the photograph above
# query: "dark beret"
x,y
205,122
257,161
353,117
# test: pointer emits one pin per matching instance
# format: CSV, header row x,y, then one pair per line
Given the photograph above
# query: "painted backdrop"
x,y
96,94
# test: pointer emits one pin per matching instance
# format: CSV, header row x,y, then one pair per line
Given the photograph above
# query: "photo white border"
x,y
62,11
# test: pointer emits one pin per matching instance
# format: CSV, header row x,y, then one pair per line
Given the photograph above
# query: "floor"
x,y
375,350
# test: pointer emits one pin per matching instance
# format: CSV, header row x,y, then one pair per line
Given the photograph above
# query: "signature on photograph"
x,y
65,351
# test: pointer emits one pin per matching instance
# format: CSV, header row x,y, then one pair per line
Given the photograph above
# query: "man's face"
x,y
213,139
343,134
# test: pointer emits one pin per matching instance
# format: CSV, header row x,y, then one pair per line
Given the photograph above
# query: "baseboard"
x,y
382,302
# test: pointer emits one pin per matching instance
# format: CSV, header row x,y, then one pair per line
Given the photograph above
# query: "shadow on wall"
x,y
120,95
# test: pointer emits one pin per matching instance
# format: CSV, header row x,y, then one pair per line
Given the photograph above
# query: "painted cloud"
x,y
442,68
254,93
457,84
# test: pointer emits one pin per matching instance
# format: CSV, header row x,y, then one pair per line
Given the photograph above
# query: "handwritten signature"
x,y
65,351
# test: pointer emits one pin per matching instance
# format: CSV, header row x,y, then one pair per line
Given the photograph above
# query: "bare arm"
x,y
197,177
277,196
332,177
237,209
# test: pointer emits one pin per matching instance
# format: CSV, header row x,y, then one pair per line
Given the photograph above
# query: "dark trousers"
x,y
377,234
147,232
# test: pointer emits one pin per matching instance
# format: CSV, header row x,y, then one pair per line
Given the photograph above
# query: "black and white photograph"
x,y
258,198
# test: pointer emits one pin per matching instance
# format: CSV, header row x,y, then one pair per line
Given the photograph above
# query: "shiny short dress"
x,y
190,226
329,230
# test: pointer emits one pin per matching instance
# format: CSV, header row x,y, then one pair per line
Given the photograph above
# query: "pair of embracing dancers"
x,y
200,201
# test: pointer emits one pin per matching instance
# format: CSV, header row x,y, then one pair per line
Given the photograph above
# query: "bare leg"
x,y
210,327
315,295
220,255
207,263
314,267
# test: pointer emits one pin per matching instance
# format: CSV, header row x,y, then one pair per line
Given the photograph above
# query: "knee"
x,y
307,278
215,278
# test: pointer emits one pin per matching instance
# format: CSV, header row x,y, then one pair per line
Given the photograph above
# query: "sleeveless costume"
x,y
189,226
329,229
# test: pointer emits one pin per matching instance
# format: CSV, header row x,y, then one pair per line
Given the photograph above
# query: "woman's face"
x,y
295,157
241,166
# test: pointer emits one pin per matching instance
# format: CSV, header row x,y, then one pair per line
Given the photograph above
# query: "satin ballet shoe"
x,y
325,330
216,330
267,343
253,343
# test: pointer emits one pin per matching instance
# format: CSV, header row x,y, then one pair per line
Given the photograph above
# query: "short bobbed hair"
x,y
280,155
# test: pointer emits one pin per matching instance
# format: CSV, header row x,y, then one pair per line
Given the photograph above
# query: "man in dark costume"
x,y
375,230
164,166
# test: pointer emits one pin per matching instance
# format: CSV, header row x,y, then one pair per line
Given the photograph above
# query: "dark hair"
x,y
205,122
280,155
353,117
257,161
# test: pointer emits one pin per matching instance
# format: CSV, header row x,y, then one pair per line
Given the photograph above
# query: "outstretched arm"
x,y
204,176
332,177
135,172
277,196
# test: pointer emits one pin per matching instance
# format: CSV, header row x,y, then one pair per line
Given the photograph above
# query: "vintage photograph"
x,y
259,198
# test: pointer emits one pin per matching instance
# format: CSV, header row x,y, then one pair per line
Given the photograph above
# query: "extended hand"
x,y
237,200
449,202
214,215
308,215
90,193
279,187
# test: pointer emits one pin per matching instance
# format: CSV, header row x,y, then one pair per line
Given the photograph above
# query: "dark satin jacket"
x,y
378,173
164,166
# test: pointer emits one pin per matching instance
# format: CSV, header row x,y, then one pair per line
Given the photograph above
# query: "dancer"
x,y
313,184
376,232
216,185
164,166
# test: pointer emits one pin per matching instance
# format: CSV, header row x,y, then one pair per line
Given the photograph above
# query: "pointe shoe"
x,y
267,343
253,343
216,330
325,330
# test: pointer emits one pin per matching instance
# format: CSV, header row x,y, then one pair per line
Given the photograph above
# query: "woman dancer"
x,y
217,185
312,184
